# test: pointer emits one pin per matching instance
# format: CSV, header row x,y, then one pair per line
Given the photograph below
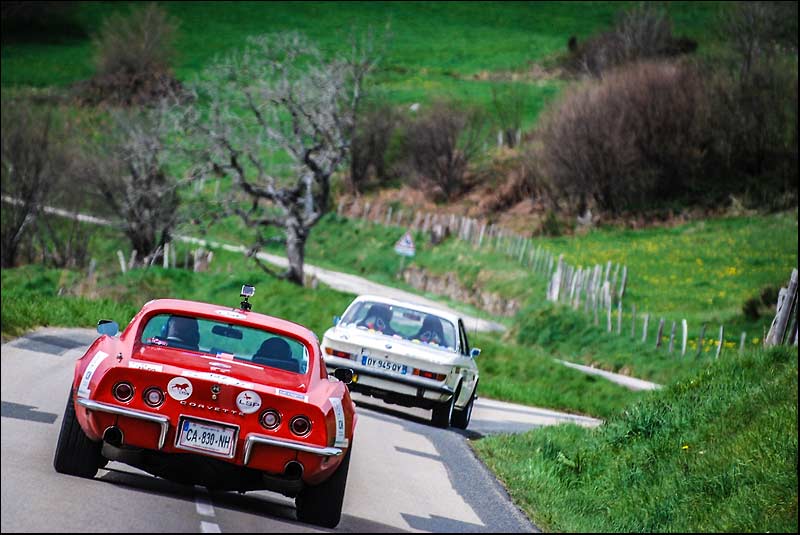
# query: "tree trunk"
x,y
296,236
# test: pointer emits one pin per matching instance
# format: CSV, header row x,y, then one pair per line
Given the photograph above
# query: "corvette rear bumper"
x,y
252,439
162,421
255,439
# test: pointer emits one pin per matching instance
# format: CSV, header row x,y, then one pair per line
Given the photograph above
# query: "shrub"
x,y
644,32
133,57
634,138
38,169
28,172
440,144
755,128
375,127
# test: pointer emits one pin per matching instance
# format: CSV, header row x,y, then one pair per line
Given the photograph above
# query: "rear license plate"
x,y
207,437
387,365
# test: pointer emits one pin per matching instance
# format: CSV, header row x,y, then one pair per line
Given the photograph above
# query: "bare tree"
x,y
759,29
133,56
28,173
441,143
128,170
371,138
644,32
281,97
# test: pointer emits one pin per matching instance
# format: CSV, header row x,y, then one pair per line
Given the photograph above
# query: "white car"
x,y
407,354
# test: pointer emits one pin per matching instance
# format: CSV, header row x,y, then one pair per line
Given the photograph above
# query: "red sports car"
x,y
222,397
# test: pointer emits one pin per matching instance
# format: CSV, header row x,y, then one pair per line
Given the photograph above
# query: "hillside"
x,y
713,453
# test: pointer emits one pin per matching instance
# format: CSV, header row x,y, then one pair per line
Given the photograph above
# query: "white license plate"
x,y
387,365
203,436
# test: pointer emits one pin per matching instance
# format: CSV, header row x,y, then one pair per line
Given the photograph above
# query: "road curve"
x,y
405,475
345,282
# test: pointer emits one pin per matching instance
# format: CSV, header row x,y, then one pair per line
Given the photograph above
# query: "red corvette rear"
x,y
226,398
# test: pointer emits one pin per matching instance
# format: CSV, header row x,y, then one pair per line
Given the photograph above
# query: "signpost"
x,y
405,245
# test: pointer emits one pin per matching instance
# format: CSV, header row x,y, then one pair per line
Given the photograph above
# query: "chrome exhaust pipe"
x,y
113,435
293,470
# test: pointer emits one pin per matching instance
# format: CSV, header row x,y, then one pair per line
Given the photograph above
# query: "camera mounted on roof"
x,y
247,292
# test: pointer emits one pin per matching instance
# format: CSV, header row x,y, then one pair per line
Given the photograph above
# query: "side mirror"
x,y
474,352
111,328
336,320
345,375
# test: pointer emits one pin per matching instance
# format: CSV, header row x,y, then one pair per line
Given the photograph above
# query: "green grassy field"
x,y
701,271
436,49
714,453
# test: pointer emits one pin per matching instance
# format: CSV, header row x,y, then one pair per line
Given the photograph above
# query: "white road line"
x,y
209,527
203,506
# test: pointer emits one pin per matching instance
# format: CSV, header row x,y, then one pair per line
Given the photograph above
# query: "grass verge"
x,y
715,453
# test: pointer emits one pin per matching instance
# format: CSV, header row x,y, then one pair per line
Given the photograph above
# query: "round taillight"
x,y
123,391
153,396
270,419
300,426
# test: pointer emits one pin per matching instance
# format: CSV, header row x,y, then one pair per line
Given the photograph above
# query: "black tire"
x,y
442,413
322,504
75,454
461,416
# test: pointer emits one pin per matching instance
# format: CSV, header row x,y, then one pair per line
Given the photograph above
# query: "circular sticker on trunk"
x,y
179,388
248,401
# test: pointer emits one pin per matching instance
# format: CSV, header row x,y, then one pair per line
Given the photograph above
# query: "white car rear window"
x,y
402,322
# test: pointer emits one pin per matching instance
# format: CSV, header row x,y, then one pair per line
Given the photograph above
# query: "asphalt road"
x,y
405,475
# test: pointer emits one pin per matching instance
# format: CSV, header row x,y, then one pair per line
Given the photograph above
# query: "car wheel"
x,y
75,453
442,413
461,416
322,504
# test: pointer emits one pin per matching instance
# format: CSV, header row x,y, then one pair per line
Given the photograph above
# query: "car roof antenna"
x,y
247,291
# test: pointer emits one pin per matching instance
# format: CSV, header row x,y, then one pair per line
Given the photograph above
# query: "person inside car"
x,y
431,331
276,352
182,332
378,318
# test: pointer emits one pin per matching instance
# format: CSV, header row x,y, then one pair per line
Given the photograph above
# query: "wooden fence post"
x,y
685,337
700,340
121,261
644,329
672,338
660,332
742,340
777,330
165,259
623,281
